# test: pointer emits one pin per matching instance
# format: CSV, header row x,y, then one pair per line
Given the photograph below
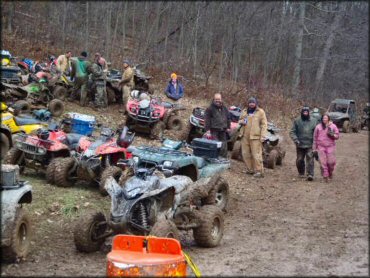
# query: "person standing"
x,y
99,86
80,76
253,131
127,83
63,62
324,137
217,122
302,135
174,89
102,62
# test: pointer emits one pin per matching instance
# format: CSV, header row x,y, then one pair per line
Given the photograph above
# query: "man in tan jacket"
x,y
63,62
127,83
253,132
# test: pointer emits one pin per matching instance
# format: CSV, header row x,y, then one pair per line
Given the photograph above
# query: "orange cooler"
x,y
145,256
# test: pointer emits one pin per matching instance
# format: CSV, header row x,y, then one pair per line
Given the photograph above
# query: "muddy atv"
x,y
151,115
39,151
192,161
272,152
145,204
33,96
60,86
15,222
343,114
197,125
11,74
95,160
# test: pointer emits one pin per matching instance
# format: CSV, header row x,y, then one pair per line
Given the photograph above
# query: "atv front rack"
x,y
163,151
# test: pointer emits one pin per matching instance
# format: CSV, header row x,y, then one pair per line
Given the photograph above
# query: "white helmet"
x,y
135,94
144,96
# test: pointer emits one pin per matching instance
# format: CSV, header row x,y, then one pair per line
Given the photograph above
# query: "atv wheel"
x,y
219,194
111,95
211,228
64,169
5,144
60,92
15,157
175,123
345,127
237,150
88,230
56,107
50,170
111,171
19,238
272,159
22,106
157,131
165,228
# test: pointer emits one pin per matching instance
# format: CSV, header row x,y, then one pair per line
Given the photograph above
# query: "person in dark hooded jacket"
x,y
217,122
302,135
174,89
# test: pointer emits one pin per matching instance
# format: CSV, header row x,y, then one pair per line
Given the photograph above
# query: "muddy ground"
x,y
278,225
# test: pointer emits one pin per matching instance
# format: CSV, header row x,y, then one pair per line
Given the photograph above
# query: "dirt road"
x,y
278,225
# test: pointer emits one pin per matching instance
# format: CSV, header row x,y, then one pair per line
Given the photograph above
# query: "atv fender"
x,y
5,130
11,200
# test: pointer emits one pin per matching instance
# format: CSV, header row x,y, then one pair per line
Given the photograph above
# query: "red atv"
x,y
41,150
152,115
95,159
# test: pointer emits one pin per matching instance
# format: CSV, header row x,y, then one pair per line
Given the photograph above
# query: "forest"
x,y
310,51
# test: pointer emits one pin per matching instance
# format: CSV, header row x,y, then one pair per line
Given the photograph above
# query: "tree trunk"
x,y
10,15
195,49
124,27
64,25
108,30
298,50
326,51
87,27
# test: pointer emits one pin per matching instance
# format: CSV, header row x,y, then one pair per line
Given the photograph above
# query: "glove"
x,y
296,142
315,155
331,133
208,135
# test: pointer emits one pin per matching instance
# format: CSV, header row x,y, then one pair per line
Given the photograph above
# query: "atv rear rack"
x,y
163,151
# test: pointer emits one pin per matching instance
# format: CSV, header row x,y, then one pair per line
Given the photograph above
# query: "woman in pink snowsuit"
x,y
324,137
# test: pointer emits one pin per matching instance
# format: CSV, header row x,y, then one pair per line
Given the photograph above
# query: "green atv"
x,y
35,95
198,160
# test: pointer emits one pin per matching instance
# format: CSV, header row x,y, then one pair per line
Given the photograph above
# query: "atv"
x,y
39,151
272,152
15,222
152,115
187,162
10,72
95,159
197,130
35,95
145,204
343,114
12,125
365,117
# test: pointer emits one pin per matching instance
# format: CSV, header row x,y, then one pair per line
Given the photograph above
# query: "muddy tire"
x,y
88,228
165,228
111,95
219,194
272,159
237,150
50,170
157,131
211,228
15,157
175,123
5,144
20,238
346,127
60,92
111,171
64,168
56,107
22,105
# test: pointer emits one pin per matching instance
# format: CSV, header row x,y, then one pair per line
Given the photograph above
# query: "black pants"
x,y
221,135
303,153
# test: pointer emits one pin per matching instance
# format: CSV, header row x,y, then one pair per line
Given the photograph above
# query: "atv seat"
x,y
27,121
73,139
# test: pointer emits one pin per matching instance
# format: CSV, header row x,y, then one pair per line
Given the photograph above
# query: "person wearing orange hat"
x,y
174,89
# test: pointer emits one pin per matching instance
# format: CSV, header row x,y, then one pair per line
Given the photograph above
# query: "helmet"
x,y
43,133
143,96
3,106
51,58
135,94
315,110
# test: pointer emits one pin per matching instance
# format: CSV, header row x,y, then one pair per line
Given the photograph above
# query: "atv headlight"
x,y
167,164
41,150
19,145
136,159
